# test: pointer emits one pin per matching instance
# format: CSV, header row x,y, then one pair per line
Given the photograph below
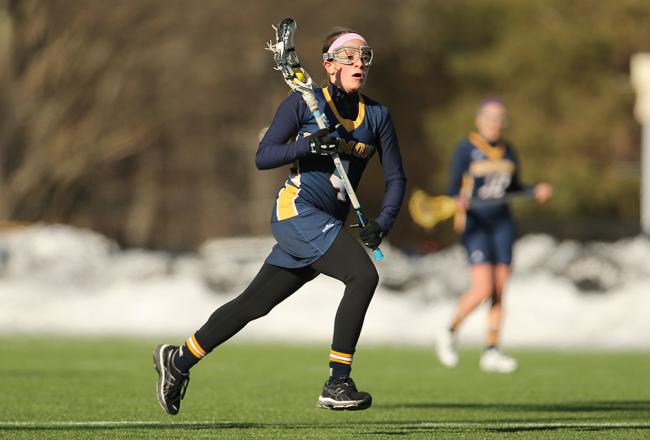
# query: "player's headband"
x,y
340,41
349,54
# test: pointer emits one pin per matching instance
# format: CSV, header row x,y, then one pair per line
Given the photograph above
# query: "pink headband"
x,y
340,41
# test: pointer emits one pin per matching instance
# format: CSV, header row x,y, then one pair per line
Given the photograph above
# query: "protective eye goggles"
x,y
350,54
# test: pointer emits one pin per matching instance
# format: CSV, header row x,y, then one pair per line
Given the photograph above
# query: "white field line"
x,y
231,424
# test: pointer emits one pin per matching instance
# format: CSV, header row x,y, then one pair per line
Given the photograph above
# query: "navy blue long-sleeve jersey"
x,y
313,181
484,171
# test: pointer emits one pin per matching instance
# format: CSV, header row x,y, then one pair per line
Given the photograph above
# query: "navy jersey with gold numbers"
x,y
312,204
485,171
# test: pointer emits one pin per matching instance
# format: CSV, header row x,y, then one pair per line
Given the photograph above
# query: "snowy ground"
x,y
60,280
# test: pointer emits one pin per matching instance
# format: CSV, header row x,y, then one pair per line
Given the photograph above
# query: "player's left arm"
x,y
515,181
393,169
542,191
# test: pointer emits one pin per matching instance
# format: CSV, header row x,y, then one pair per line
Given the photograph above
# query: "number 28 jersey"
x,y
483,170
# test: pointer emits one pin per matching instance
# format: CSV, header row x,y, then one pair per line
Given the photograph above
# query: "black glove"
x,y
323,145
371,235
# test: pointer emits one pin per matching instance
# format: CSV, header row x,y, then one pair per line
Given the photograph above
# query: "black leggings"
x,y
346,260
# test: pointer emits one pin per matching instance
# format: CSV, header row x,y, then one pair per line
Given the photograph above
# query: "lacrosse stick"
x,y
427,211
286,60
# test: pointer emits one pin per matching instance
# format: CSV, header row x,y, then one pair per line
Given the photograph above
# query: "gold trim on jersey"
x,y
491,152
348,124
353,148
480,168
285,204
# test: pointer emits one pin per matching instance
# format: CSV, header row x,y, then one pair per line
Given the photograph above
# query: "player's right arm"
x,y
459,167
273,150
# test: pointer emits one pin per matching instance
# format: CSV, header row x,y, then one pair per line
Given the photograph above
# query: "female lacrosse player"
x,y
307,221
485,167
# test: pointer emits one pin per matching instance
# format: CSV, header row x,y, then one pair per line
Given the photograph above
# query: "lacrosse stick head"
x,y
427,211
286,58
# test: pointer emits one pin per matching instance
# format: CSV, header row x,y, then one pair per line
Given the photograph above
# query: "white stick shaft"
x,y
312,103
310,99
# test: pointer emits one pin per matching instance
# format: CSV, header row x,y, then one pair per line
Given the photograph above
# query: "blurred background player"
x,y
484,166
308,223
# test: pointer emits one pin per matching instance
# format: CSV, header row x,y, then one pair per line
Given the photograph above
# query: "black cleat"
x,y
342,394
172,384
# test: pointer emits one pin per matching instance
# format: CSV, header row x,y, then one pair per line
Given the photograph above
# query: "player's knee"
x,y
483,293
496,298
365,279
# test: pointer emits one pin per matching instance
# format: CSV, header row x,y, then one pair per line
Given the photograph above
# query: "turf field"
x,y
104,388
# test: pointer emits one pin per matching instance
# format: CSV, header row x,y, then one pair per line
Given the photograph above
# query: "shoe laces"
x,y
176,382
346,382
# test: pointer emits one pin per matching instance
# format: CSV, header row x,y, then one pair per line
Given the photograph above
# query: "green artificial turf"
x,y
105,388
